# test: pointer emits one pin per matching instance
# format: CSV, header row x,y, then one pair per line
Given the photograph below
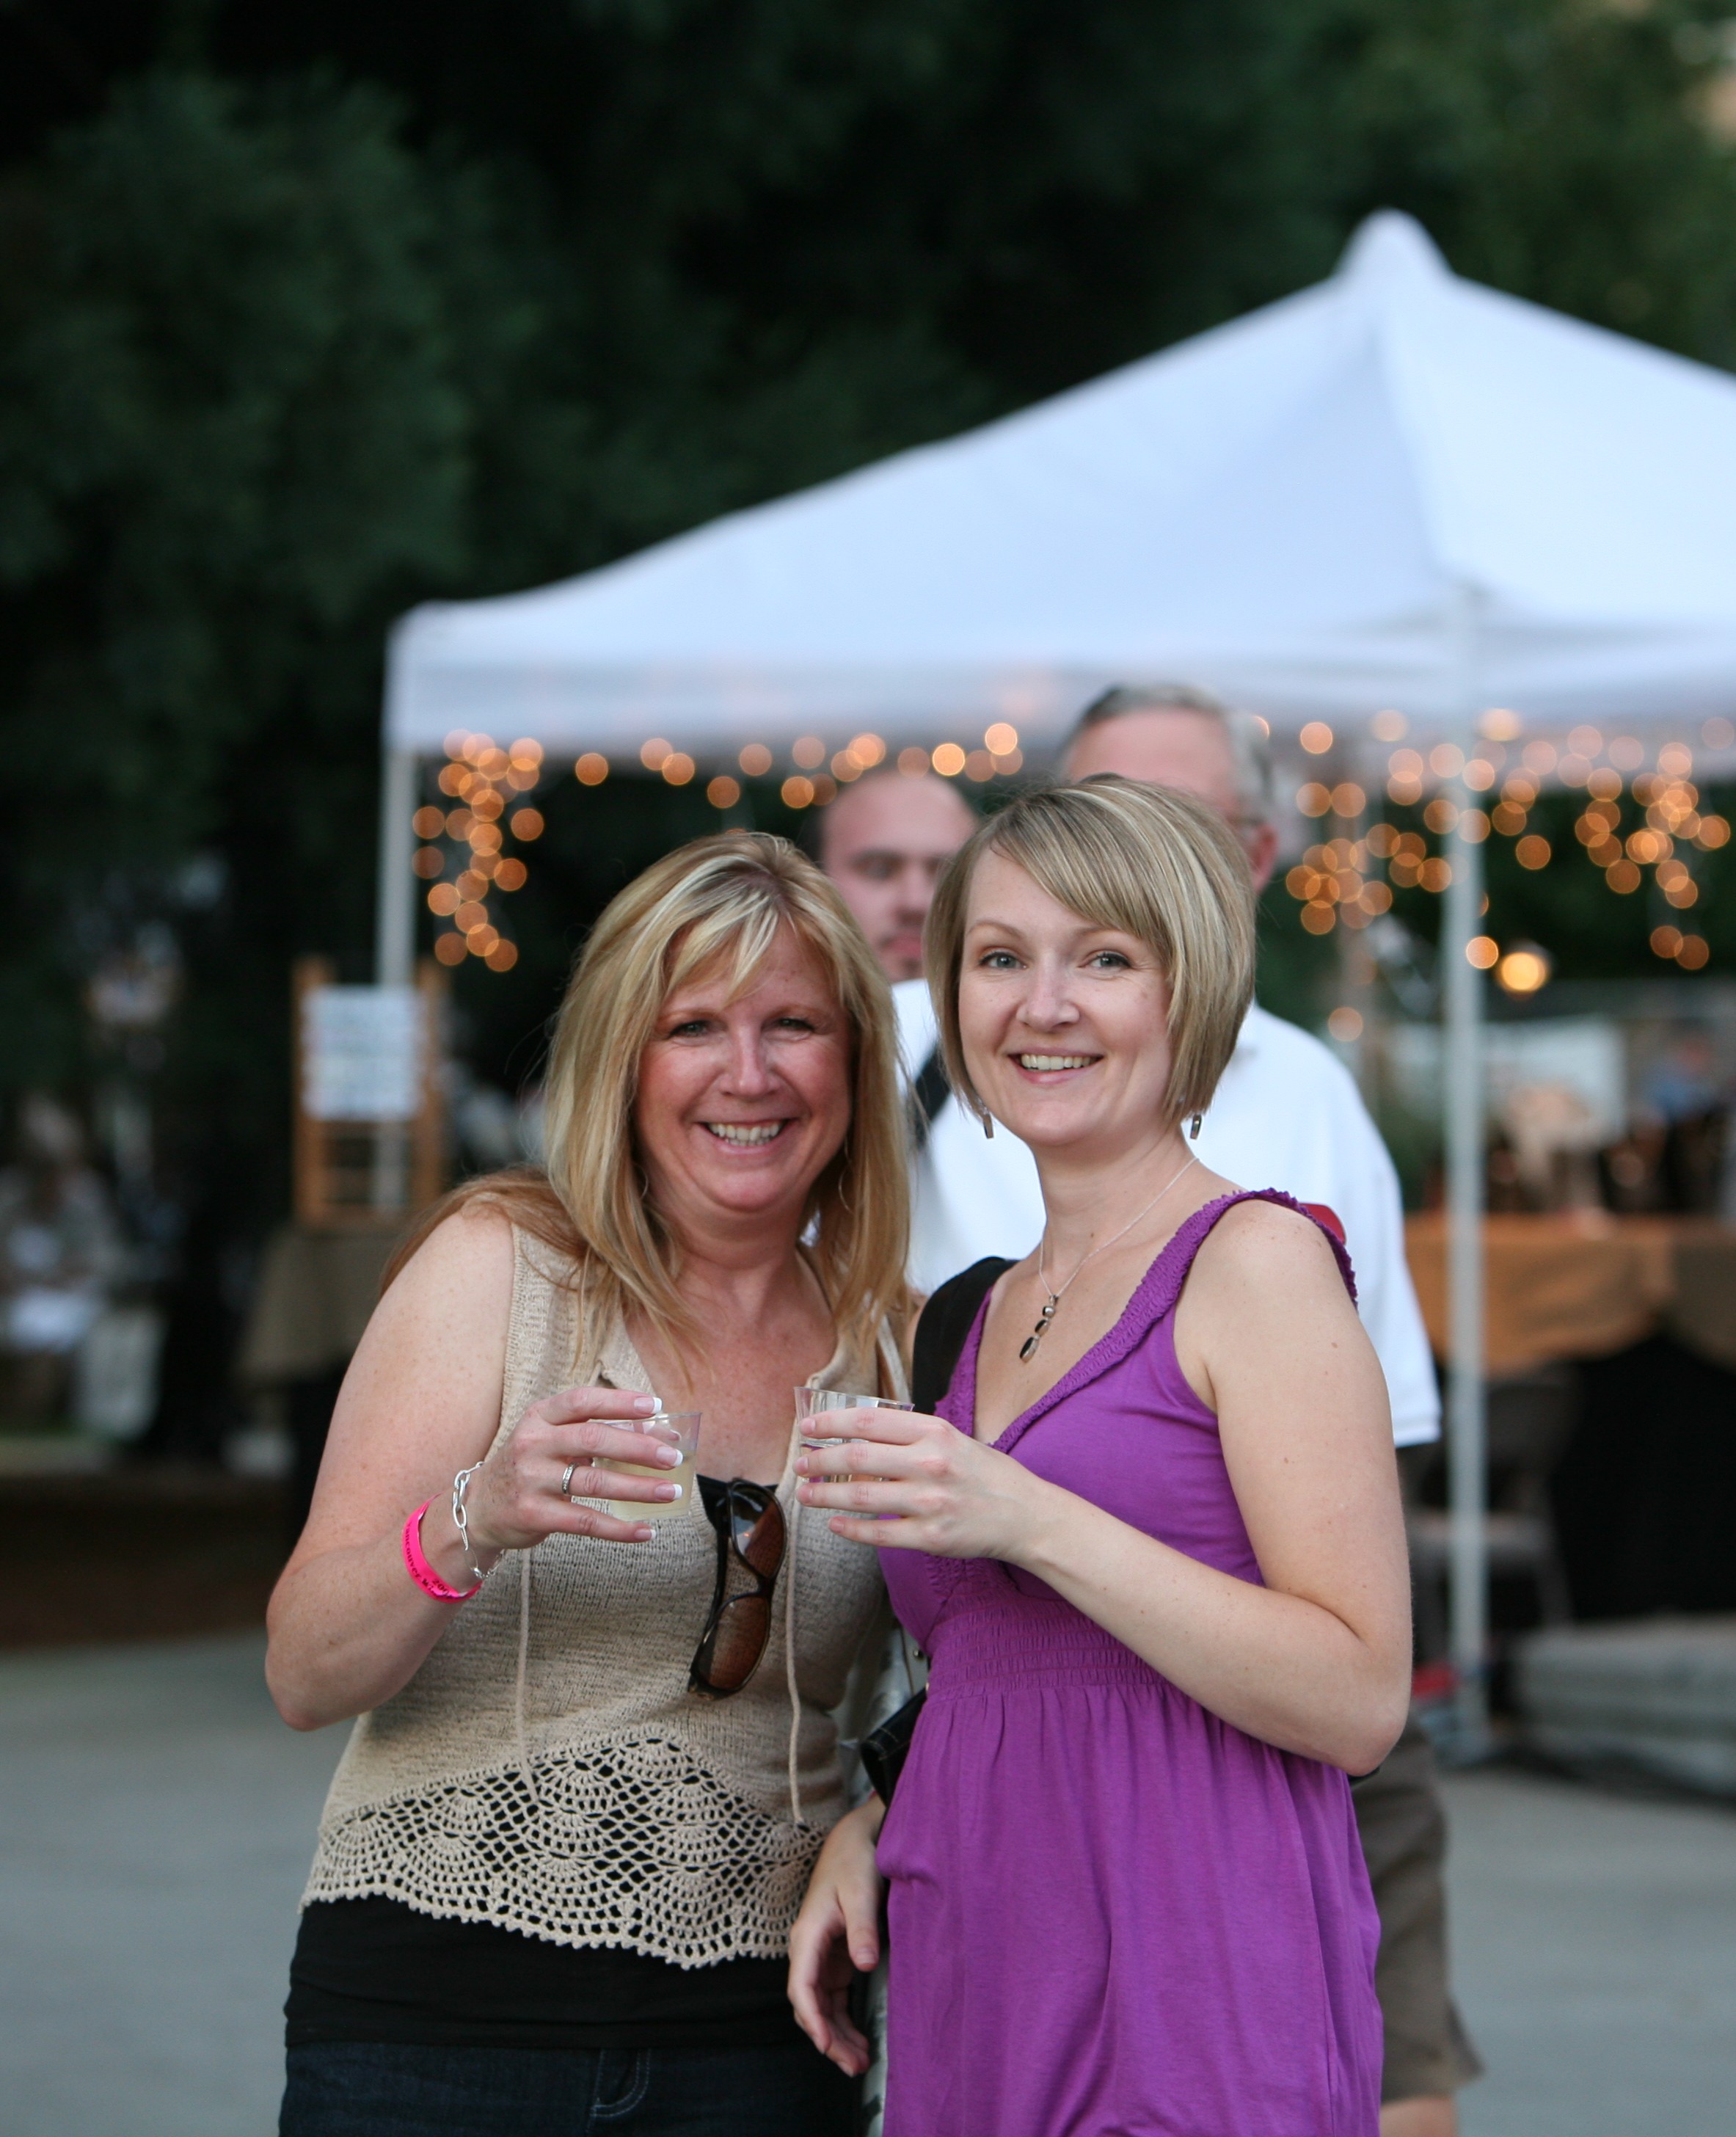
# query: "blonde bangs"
x,y
1148,861
719,903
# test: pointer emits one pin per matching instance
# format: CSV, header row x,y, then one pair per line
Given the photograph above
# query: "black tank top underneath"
x,y
377,1970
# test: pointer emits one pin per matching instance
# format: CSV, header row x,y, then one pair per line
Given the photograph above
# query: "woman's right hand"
x,y
837,1936
516,1498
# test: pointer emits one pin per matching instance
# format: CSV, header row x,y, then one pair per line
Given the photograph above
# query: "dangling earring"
x,y
989,1126
1193,1127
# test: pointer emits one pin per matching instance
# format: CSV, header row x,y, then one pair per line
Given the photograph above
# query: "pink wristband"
x,y
421,1571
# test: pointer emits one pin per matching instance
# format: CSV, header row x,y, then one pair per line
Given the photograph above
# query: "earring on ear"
x,y
1193,1127
989,1126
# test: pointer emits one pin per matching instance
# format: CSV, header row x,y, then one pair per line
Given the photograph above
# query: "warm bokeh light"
x,y
723,792
527,824
1447,759
1009,761
1000,738
1482,951
1675,760
846,766
526,754
502,956
809,751
591,769
429,861
755,760
443,899
652,753
948,759
825,791
1376,897
459,822
1573,770
1314,799
797,793
1627,753
677,768
1604,783
453,779
1508,818
1388,727
1473,826
1319,919
486,838
470,914
869,750
1479,775
1666,941
1316,737
428,823
1540,758
1586,741
1435,874
488,806
1345,1024
912,762
1440,814
1713,832
1348,799
480,941
450,949
1498,724
1524,969
980,766
471,884
511,875
1692,954
1382,840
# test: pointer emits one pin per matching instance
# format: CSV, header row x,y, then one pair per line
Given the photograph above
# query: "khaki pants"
x,y
1404,1840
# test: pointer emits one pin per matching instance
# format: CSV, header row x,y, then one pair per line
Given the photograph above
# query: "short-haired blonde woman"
x,y
561,1856
1152,1543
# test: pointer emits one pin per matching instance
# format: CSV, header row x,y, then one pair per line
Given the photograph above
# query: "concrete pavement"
x,y
156,1821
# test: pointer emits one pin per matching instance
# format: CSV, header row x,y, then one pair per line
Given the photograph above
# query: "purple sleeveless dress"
x,y
1111,1912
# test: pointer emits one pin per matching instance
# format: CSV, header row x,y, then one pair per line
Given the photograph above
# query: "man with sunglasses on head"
x,y
1287,1114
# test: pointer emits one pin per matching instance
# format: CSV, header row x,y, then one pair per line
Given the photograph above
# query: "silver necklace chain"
x,y
1028,1350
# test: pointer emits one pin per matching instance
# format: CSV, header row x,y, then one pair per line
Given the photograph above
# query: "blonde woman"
x,y
1152,1543
561,1856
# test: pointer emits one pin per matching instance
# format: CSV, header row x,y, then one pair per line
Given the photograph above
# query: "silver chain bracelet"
x,y
461,1521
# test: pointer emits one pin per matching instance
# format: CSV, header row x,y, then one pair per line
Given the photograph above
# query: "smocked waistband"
x,y
1040,1645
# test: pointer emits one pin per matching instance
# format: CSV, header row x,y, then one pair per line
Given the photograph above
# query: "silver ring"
x,y
566,1480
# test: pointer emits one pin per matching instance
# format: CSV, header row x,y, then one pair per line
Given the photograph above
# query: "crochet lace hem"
x,y
633,1845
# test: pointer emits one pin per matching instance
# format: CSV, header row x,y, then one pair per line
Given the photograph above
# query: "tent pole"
x,y
1463,1083
394,907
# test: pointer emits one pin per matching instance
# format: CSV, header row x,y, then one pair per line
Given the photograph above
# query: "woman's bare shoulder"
x,y
1259,1246
468,1257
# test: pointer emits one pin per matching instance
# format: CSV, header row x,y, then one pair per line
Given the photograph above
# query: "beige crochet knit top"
x,y
547,1769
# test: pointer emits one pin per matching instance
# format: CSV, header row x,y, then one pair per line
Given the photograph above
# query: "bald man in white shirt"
x,y
1287,1114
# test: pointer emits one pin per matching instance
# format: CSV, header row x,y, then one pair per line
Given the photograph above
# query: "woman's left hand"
x,y
917,1483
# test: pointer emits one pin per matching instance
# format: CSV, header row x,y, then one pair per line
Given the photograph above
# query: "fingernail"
x,y
646,1404
647,1533
670,1491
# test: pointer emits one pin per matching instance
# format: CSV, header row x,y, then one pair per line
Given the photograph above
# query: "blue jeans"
x,y
358,2089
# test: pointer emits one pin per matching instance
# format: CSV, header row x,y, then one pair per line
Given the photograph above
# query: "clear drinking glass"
x,y
675,1429
812,1404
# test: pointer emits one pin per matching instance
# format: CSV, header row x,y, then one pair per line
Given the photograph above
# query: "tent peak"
x,y
1390,246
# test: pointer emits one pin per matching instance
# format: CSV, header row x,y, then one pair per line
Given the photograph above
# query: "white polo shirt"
x,y
1287,1114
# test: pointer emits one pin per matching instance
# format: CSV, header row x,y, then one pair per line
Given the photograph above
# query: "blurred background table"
x,y
1638,1315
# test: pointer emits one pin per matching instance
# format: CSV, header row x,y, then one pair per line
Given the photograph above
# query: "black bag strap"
x,y
943,1324
927,1095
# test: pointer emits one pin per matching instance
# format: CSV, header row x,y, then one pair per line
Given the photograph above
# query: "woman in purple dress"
x,y
1152,1545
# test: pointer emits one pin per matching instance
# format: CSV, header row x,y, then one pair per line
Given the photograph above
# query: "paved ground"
x,y
156,1820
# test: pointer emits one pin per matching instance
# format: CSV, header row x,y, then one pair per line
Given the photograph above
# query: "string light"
x,y
1316,737
913,763
948,759
797,793
652,753
1001,738
527,824
755,760
723,793
809,751
591,769
869,750
677,768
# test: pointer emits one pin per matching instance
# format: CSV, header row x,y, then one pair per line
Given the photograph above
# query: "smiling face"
x,y
743,1103
1064,1024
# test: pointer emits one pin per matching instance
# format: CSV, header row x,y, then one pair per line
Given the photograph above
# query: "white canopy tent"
x,y
1397,490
